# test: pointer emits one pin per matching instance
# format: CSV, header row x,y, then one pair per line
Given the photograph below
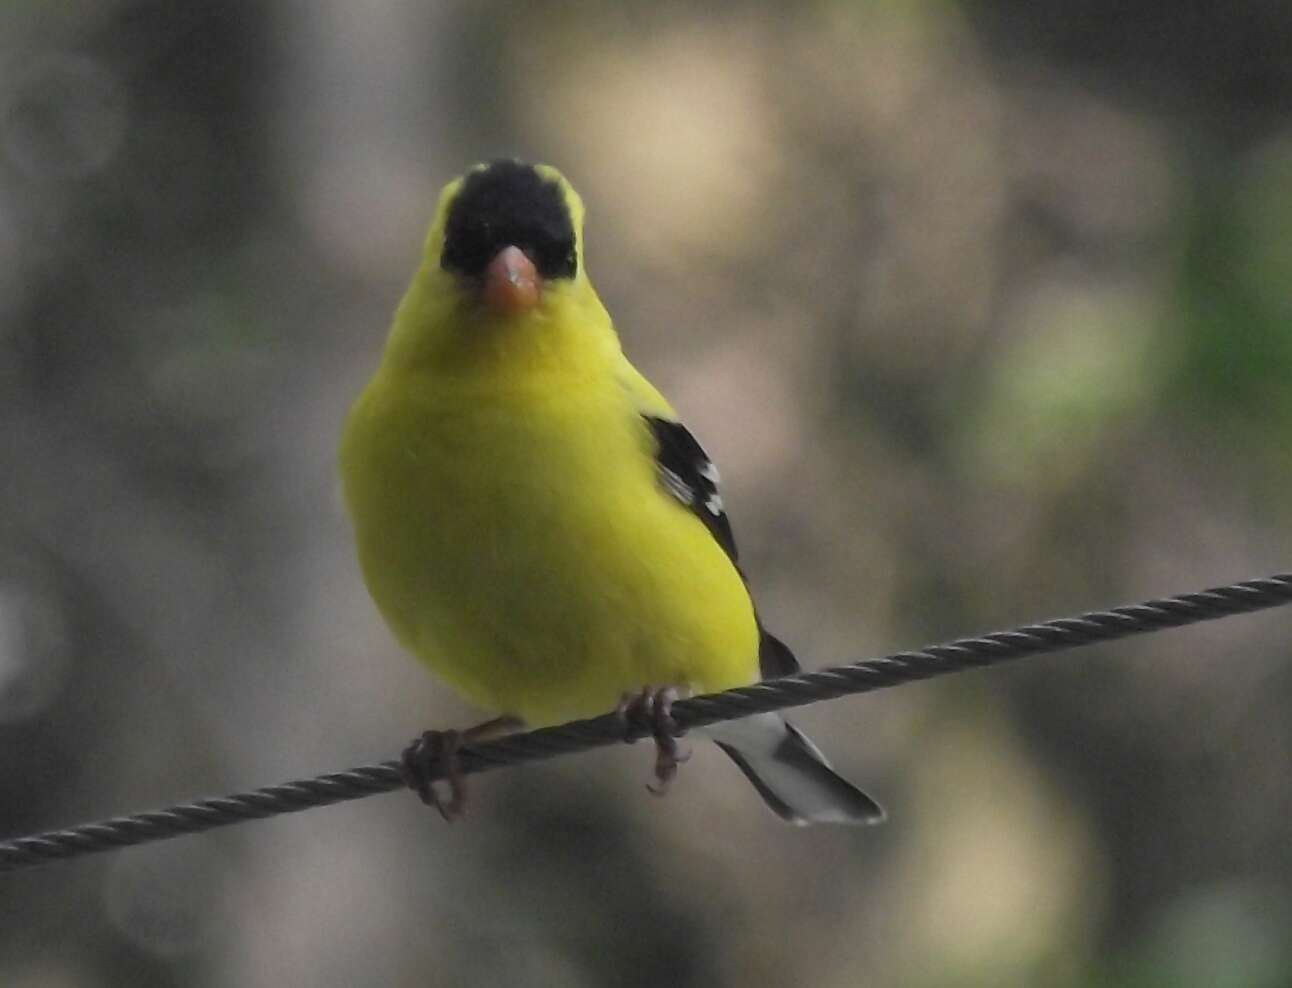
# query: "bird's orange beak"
x,y
512,284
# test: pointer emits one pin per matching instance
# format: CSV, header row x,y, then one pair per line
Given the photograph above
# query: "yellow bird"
x,y
533,521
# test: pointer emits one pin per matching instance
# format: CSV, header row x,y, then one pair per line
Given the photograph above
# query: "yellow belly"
x,y
526,552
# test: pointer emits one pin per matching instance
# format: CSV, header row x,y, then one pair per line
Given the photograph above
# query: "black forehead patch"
x,y
509,203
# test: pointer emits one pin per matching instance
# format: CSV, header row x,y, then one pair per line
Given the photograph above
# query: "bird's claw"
x,y
436,756
652,707
432,757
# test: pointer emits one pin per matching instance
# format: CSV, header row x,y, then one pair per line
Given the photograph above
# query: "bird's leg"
x,y
419,763
435,755
652,707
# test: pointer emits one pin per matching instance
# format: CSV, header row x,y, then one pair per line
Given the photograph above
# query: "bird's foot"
x,y
435,756
652,707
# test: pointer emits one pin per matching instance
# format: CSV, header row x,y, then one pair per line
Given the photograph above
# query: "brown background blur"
x,y
986,311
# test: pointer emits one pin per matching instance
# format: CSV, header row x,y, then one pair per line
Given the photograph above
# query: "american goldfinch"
x,y
533,521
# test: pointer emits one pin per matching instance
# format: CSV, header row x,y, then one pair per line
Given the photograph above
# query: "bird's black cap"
x,y
509,203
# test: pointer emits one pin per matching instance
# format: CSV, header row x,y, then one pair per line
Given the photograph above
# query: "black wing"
x,y
688,474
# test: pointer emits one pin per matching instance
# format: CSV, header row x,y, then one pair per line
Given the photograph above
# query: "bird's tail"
x,y
791,774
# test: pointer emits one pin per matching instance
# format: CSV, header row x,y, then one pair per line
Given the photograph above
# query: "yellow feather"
x,y
510,521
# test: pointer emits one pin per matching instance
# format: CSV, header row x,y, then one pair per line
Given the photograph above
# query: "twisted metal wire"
x,y
698,711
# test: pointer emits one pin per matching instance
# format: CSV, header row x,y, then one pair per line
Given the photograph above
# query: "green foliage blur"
x,y
984,308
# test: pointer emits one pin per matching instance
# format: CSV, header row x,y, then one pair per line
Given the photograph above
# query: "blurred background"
x,y
984,309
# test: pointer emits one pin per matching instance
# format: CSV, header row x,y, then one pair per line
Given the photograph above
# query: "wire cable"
x,y
698,711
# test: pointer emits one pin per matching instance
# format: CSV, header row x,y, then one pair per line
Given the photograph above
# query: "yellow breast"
x,y
521,545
